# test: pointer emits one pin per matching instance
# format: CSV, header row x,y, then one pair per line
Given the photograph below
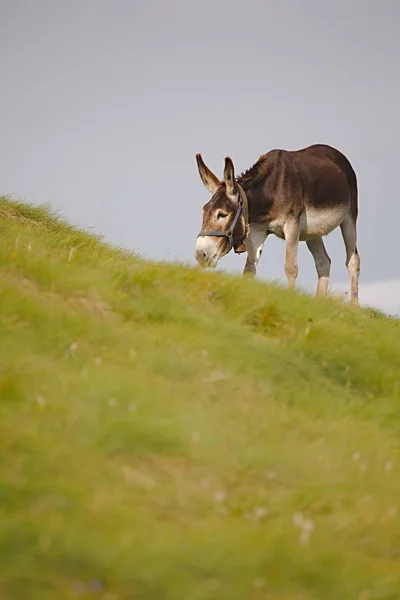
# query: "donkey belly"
x,y
317,223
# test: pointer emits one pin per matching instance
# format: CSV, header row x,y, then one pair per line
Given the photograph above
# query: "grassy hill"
x,y
169,434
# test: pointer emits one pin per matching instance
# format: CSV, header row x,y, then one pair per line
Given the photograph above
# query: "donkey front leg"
x,y
291,230
254,245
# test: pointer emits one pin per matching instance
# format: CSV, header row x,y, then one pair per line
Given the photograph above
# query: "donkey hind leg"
x,y
291,232
322,264
254,245
349,233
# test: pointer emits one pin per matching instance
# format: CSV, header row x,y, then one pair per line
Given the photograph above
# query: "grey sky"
x,y
105,103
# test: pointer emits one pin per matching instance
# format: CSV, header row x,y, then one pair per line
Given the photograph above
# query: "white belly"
x,y
313,223
317,223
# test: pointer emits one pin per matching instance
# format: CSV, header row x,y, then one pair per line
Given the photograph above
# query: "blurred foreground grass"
x,y
171,434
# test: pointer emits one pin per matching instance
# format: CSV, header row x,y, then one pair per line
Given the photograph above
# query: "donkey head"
x,y
223,224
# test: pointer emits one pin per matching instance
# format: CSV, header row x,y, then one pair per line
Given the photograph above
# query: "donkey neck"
x,y
258,202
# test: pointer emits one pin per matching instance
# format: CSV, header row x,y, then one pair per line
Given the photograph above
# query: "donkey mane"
x,y
249,174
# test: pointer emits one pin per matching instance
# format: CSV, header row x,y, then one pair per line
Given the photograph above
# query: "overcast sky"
x,y
104,104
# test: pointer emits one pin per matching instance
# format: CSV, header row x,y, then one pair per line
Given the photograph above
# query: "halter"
x,y
241,209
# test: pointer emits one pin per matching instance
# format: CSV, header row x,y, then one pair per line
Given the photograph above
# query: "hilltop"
x,y
174,434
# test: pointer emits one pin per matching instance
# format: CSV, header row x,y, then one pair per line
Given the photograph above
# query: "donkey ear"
x,y
230,181
210,181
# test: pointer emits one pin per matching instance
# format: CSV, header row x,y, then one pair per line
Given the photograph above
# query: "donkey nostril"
x,y
201,255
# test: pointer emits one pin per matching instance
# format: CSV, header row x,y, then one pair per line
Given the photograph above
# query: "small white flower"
x,y
219,496
260,512
97,361
132,407
356,456
40,400
308,526
388,466
73,346
112,402
216,377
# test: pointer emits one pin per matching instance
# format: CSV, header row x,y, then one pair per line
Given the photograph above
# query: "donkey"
x,y
298,195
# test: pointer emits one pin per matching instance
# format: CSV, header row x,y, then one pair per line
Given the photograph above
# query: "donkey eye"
x,y
221,215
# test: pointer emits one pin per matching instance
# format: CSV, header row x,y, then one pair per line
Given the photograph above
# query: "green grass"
x,y
165,433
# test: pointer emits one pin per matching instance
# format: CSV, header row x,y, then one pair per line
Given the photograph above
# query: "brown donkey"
x,y
297,195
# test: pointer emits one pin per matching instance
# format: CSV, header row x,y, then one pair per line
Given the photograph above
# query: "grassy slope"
x,y
160,428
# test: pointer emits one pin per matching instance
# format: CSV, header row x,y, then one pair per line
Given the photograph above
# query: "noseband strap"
x,y
242,209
